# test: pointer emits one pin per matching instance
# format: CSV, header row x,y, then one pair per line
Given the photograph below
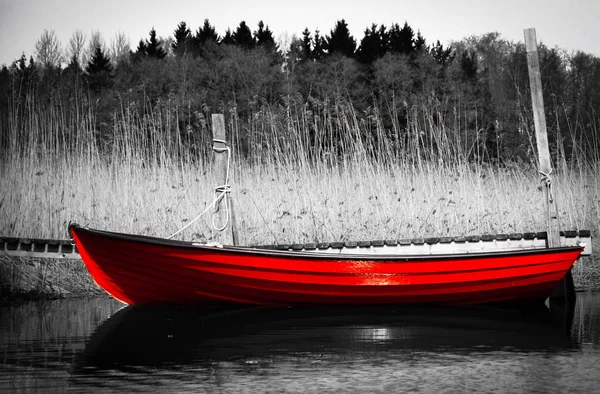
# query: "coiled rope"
x,y
221,192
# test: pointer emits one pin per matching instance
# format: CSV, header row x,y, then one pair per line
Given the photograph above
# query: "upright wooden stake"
x,y
223,214
565,290
541,136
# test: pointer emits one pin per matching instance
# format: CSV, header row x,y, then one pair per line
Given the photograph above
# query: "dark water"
x,y
99,346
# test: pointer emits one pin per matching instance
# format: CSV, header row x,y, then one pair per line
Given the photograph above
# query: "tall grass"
x,y
299,175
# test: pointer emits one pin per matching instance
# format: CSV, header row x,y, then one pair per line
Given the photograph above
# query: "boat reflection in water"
x,y
183,335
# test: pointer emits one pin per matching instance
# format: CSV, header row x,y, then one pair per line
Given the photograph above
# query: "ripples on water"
x,y
97,345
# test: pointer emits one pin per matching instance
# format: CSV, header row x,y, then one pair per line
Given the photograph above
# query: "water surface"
x,y
98,345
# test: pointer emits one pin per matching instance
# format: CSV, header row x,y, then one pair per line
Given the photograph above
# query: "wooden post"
x,y
541,136
565,291
223,214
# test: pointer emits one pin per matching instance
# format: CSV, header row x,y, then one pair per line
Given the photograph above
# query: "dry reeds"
x,y
299,176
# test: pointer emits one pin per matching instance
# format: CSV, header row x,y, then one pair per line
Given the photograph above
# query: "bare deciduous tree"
x,y
75,49
119,48
96,40
166,43
47,50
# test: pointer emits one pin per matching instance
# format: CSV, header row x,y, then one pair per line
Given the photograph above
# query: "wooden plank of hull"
x,y
143,270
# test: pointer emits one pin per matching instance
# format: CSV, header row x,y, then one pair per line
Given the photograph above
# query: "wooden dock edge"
x,y
38,248
64,249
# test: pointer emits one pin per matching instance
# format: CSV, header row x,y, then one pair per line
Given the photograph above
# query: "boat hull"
x,y
146,270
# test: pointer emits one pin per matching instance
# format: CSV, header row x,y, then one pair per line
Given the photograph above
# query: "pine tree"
x,y
26,72
340,40
206,33
401,39
153,46
264,37
20,64
320,44
419,43
243,36
228,38
183,37
99,71
141,51
73,75
74,66
469,65
306,46
373,45
441,55
99,62
206,40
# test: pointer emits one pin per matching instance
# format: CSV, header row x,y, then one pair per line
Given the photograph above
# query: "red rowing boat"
x,y
146,270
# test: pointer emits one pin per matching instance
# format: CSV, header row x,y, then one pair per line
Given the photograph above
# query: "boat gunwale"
x,y
316,255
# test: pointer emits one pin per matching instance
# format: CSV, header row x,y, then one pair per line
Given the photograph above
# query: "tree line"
x,y
469,98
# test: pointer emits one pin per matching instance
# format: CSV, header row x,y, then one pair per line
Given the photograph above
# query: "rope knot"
x,y
222,191
547,180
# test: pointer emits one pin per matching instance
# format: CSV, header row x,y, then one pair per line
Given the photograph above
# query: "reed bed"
x,y
297,177
277,204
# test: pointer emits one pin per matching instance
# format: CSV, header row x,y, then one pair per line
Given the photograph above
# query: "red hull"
x,y
142,270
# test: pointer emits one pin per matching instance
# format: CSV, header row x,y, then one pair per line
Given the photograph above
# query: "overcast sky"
x,y
571,25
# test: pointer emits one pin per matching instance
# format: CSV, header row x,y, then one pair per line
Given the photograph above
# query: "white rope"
x,y
196,218
221,192
548,181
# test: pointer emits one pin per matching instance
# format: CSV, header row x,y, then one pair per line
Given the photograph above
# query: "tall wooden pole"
x,y
541,136
565,290
223,214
